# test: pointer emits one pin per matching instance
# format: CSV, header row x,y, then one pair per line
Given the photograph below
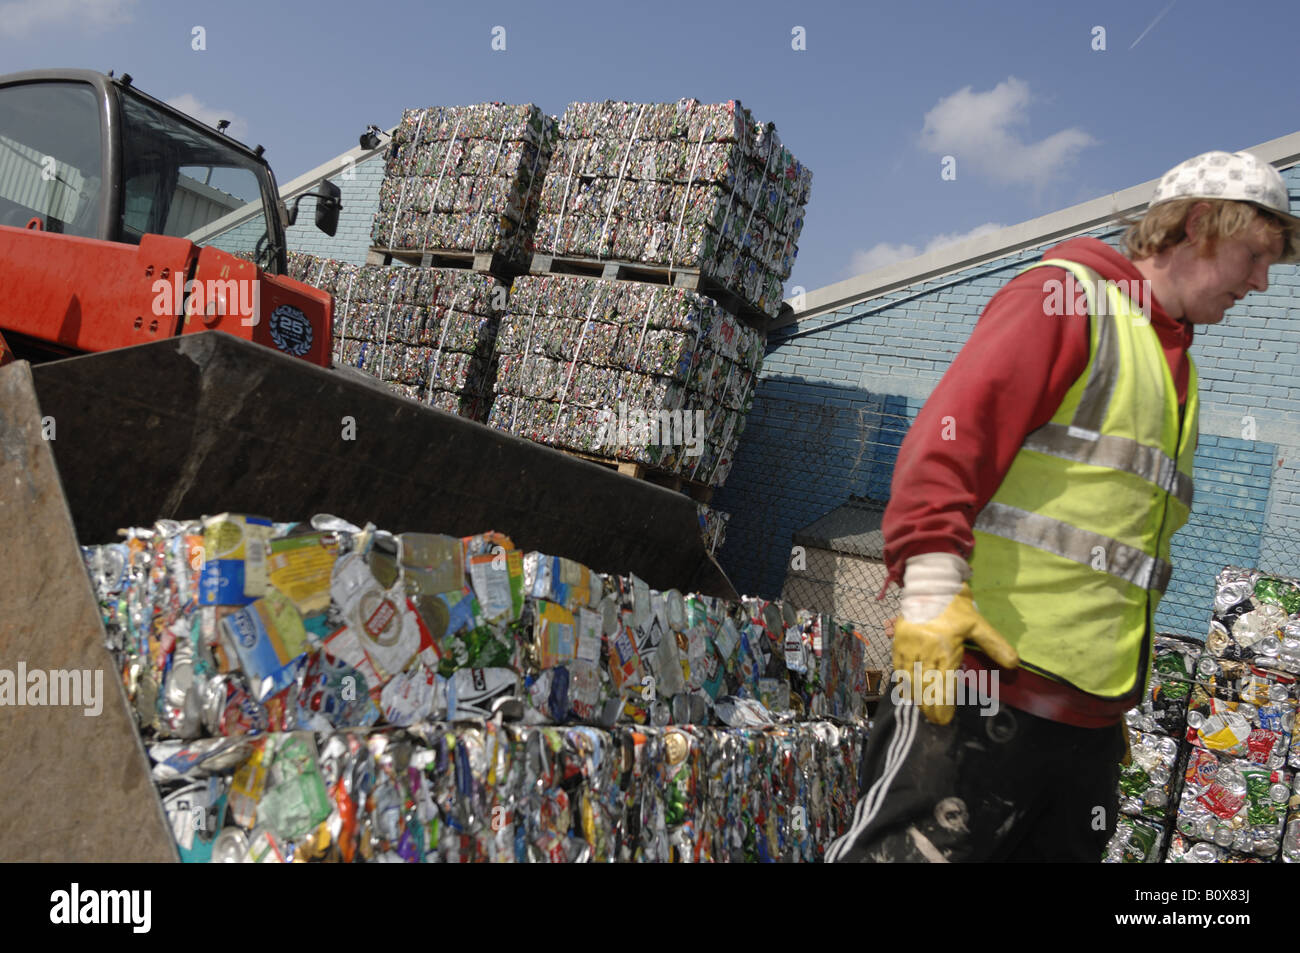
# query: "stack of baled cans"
x,y
644,246
1240,723
1148,786
1213,743
324,691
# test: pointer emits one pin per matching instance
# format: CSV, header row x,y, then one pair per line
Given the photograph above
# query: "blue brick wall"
x,y
1225,528
360,186
832,402
351,241
853,438
242,239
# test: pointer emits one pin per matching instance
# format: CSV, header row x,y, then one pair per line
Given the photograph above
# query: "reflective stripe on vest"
x,y
1116,453
1042,532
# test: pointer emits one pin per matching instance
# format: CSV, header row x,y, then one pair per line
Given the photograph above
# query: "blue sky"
x,y
1036,119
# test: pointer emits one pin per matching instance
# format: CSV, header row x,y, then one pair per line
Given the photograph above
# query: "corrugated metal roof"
x,y
853,529
195,205
25,181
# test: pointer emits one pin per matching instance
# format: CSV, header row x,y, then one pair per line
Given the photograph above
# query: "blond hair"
x,y
1166,226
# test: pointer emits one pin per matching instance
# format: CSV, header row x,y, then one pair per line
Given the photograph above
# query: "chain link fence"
x,y
1279,552
837,567
1206,545
806,496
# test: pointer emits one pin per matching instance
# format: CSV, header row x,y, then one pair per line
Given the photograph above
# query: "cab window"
x,y
50,157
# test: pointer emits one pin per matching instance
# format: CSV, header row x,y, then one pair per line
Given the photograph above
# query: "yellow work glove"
x,y
938,646
1127,760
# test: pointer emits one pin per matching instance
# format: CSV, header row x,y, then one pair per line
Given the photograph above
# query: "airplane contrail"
x,y
1154,22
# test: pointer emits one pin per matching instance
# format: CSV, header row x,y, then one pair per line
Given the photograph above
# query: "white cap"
x,y
1237,176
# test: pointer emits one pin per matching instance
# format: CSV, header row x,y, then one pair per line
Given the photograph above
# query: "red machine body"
x,y
83,295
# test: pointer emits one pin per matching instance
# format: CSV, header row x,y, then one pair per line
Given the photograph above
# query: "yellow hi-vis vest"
x,y
1072,552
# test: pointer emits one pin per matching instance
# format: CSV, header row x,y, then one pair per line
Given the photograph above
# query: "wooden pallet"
x,y
689,278
699,492
483,263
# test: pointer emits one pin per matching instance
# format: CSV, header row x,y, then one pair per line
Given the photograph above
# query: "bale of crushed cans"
x,y
1146,785
511,793
1232,703
1163,708
1210,742
326,691
427,332
1256,619
625,370
1233,804
685,184
465,178
1243,712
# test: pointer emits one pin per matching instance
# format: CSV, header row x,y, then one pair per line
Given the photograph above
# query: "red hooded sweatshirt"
x,y
1007,381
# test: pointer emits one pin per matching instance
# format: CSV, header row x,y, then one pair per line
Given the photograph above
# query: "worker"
x,y
1029,521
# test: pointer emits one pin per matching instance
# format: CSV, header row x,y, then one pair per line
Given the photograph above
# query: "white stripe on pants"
x,y
907,716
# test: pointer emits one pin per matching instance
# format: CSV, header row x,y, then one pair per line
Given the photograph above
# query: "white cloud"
x,y
885,253
980,131
19,17
187,103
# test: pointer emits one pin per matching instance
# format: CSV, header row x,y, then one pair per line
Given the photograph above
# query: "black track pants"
x,y
1004,787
